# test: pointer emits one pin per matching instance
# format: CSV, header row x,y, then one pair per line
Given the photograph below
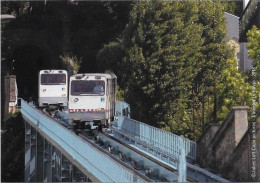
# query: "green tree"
x,y
162,43
71,63
14,8
254,48
254,53
45,31
233,7
172,55
215,52
110,58
233,90
120,94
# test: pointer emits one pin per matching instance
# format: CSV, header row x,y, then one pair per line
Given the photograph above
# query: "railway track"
x,y
194,172
148,157
139,162
101,147
150,168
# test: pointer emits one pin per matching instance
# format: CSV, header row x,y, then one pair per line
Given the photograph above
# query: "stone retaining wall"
x,y
227,149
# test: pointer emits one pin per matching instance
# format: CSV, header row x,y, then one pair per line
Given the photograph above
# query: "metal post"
x,y
27,152
47,162
182,166
33,173
54,165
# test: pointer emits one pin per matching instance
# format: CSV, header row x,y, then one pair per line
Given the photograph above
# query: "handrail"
x,y
166,141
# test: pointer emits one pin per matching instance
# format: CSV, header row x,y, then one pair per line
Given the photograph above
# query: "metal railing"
x,y
122,108
100,165
160,139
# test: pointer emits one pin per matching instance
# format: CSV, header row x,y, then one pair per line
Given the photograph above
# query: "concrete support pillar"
x,y
10,96
240,122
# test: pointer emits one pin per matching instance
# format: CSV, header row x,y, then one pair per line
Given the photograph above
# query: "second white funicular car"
x,y
92,100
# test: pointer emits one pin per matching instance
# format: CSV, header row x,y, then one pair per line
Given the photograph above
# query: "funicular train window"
x,y
87,87
53,79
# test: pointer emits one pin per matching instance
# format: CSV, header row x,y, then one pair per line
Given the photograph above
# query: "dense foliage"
x,y
12,149
254,53
233,7
254,48
57,34
233,90
176,66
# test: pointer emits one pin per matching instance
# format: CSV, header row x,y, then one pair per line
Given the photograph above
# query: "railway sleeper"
x,y
122,156
110,149
136,165
97,138
148,172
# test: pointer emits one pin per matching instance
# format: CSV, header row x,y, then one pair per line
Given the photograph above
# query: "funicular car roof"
x,y
109,76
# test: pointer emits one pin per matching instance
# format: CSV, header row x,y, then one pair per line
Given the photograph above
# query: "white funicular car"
x,y
92,100
53,88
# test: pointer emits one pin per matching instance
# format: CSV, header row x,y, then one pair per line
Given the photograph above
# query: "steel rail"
x,y
114,158
146,155
190,167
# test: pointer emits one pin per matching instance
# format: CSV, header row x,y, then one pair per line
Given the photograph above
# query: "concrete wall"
x,y
231,150
244,165
10,94
204,155
238,167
